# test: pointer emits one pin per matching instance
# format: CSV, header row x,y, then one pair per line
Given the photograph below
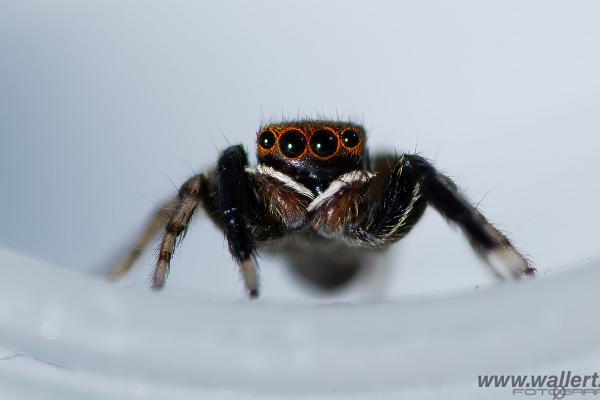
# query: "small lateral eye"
x,y
350,138
292,143
267,140
324,143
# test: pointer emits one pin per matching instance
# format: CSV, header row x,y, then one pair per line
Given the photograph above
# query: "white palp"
x,y
337,185
283,178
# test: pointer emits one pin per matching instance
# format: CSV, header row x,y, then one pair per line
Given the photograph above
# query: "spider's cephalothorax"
x,y
317,195
313,153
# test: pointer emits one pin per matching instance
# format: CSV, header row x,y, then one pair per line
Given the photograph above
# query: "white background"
x,y
107,106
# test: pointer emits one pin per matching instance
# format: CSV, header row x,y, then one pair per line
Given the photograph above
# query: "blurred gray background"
x,y
107,106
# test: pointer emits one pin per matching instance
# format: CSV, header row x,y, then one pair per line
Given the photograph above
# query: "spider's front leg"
x,y
413,183
235,198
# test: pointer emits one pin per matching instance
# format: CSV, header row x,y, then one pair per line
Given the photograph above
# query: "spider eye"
x,y
350,138
267,140
292,143
324,143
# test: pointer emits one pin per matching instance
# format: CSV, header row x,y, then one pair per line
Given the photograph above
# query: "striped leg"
x,y
187,201
156,222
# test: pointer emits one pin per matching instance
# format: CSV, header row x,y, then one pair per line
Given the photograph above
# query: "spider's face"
x,y
313,153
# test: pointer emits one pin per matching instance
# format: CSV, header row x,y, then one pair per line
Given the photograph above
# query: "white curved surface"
x,y
135,343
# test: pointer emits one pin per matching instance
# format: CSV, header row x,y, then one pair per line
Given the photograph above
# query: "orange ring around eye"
x,y
266,142
292,144
322,143
355,149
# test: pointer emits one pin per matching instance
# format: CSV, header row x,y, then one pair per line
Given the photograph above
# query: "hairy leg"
x,y
398,205
188,199
228,196
487,240
150,231
237,204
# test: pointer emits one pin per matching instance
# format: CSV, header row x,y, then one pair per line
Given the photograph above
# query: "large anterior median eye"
x,y
324,143
292,143
267,140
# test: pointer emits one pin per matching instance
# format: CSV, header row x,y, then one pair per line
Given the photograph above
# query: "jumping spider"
x,y
316,195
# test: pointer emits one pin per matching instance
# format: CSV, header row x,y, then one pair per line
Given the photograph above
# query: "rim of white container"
x,y
83,323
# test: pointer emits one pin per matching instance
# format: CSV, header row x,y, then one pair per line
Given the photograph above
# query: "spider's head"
x,y
313,153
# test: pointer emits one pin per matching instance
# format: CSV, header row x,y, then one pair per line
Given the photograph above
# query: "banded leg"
x,y
156,222
487,241
188,199
237,202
